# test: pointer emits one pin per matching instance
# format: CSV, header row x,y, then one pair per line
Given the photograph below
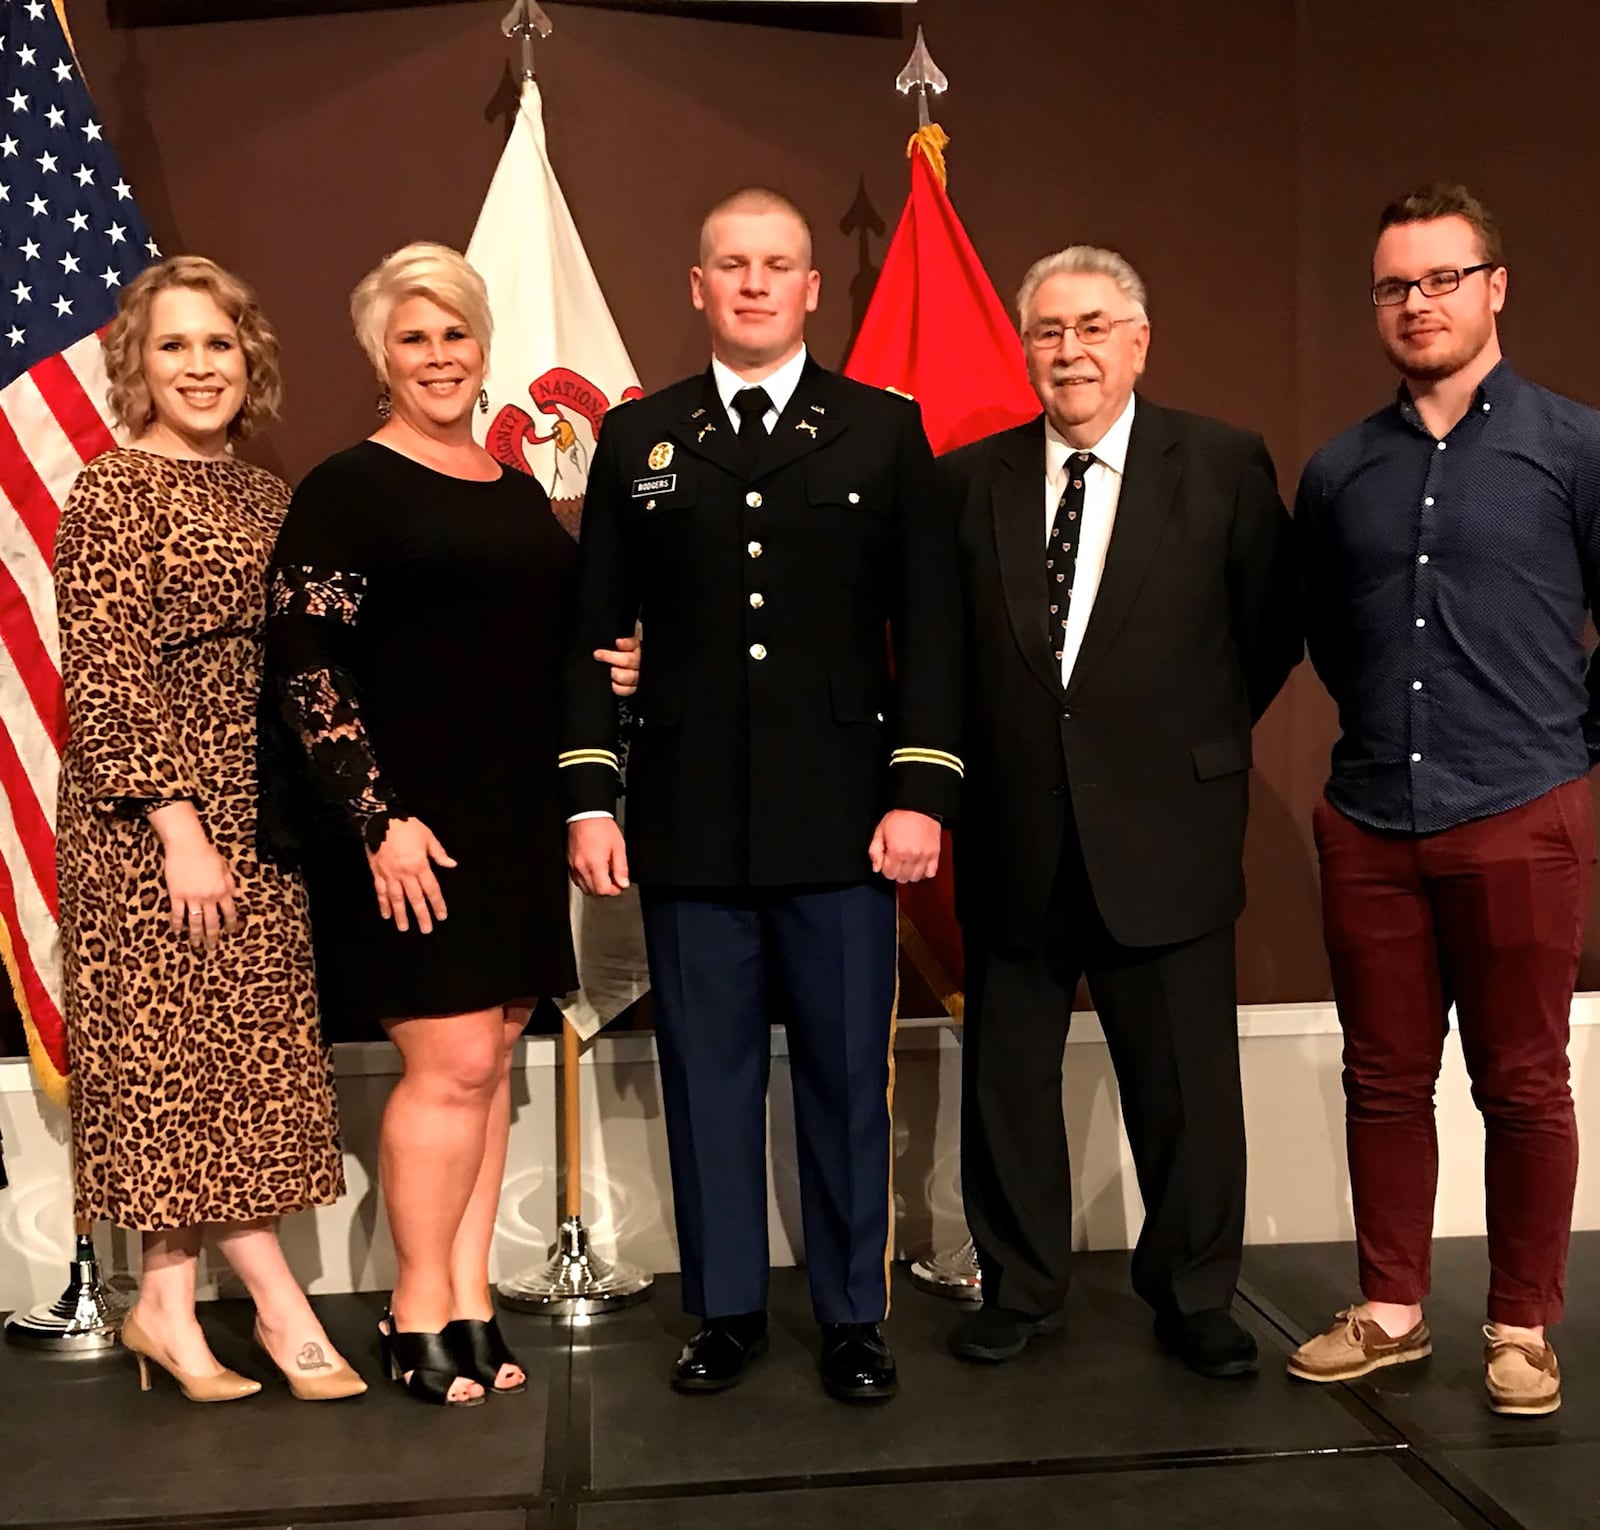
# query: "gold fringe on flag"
x,y
931,969
931,140
66,31
52,1081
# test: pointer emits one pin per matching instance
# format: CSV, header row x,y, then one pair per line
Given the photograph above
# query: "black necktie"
x,y
1061,553
751,405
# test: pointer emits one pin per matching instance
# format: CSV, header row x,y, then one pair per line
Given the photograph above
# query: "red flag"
x,y
937,330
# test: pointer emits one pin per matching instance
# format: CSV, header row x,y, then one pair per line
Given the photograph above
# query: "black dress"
x,y
416,631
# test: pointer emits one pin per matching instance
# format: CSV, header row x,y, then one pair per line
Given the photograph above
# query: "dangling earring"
x,y
483,400
385,406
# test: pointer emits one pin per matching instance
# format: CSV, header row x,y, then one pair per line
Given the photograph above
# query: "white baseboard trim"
x,y
1289,1058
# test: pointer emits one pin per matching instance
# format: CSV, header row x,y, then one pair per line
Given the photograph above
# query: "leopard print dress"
x,y
202,1088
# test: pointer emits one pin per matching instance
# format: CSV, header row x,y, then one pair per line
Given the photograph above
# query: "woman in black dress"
x,y
419,607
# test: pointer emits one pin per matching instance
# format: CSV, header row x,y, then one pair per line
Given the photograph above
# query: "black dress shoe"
x,y
856,1363
1209,1342
717,1357
993,1334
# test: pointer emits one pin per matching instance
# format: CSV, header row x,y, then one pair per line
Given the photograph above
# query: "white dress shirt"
x,y
780,387
1102,486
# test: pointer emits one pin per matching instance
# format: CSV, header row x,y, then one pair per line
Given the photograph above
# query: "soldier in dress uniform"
x,y
776,528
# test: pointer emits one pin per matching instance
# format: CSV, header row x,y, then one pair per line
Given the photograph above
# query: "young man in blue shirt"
x,y
1450,547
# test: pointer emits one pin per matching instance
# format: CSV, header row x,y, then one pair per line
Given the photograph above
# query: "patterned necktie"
x,y
1061,553
751,405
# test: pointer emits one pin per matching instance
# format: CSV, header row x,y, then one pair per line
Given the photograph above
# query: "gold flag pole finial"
x,y
526,20
925,77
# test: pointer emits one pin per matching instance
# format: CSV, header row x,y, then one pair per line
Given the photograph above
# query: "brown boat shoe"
x,y
1520,1372
1356,1345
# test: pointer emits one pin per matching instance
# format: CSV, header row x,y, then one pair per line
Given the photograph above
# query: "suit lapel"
x,y
1017,503
706,431
809,423
1149,481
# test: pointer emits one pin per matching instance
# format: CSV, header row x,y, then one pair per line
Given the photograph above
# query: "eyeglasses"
x,y
1094,331
1391,292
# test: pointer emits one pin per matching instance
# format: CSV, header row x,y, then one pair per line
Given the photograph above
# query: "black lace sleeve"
x,y
311,612
322,707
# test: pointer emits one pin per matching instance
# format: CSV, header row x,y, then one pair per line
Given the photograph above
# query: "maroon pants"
x,y
1488,916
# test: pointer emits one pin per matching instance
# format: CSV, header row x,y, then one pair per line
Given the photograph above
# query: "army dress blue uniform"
x,y
801,612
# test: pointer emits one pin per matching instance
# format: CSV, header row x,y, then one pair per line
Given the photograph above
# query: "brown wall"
x,y
1236,150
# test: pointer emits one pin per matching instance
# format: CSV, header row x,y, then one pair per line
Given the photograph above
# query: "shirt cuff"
x,y
598,813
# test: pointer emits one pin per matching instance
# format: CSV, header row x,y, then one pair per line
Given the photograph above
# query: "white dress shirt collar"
x,y
1111,449
780,385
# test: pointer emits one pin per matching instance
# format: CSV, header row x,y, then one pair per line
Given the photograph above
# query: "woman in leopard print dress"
x,y
202,1089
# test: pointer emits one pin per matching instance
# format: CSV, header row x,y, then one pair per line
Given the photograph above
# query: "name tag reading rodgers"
x,y
665,484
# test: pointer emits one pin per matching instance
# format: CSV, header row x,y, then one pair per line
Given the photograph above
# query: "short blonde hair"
x,y
1082,260
124,341
755,200
425,270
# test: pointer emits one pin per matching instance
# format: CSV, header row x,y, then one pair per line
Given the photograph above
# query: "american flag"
x,y
70,236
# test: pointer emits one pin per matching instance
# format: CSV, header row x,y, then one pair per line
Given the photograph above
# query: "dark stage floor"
x,y
1093,1427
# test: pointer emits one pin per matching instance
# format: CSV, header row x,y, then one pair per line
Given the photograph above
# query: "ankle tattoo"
x,y
312,1358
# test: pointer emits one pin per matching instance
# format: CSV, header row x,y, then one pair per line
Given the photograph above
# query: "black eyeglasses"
x,y
1391,291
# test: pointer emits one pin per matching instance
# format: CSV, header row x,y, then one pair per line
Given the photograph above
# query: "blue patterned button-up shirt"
x,y
1446,585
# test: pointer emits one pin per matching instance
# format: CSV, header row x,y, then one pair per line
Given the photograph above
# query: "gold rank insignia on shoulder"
x,y
903,394
808,427
660,456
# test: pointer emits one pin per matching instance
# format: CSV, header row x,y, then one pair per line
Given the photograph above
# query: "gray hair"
x,y
1082,259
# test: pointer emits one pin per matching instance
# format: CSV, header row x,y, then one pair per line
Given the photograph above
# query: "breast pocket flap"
x,y
1220,757
858,696
828,483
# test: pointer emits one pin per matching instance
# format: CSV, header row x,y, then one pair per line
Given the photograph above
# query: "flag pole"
x,y
575,1282
924,76
85,1321
524,21
951,1273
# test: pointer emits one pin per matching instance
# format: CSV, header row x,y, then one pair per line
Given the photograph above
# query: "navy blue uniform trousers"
x,y
712,959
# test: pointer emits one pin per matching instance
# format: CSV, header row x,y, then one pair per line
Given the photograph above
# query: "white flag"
x,y
556,365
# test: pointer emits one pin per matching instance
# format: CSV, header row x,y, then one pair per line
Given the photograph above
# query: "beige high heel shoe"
x,y
225,1386
328,1387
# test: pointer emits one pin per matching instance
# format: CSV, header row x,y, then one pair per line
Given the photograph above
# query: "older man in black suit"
x,y
1130,612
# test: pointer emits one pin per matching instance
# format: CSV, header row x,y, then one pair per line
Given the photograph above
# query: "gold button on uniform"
x,y
757,599
753,499
754,549
758,650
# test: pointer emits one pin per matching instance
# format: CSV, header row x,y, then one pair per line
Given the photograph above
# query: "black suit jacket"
x,y
1193,632
773,734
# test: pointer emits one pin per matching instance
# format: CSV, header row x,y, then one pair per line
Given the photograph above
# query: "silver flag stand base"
x,y
84,1322
575,1282
952,1274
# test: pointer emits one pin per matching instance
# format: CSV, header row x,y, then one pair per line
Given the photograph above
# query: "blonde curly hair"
x,y
125,337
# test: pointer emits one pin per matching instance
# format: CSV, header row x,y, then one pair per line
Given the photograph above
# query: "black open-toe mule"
x,y
431,1361
480,1351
